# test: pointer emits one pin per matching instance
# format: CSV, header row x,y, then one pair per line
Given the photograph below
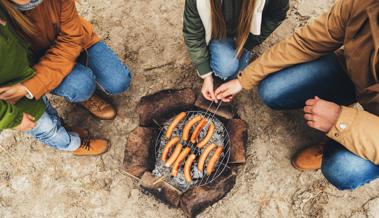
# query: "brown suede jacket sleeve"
x,y
323,35
357,130
59,59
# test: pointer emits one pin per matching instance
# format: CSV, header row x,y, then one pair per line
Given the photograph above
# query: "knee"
x,y
269,96
226,67
119,83
82,86
344,170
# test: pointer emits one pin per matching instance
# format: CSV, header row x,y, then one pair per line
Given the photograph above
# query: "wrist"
x,y
28,93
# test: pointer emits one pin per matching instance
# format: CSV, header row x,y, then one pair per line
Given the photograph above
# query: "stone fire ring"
x,y
139,157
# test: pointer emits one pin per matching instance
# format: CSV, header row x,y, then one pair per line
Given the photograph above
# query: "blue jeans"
x,y
223,60
291,87
49,130
104,70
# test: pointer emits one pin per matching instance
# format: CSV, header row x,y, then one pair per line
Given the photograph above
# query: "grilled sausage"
x,y
174,155
208,137
197,130
188,126
213,161
204,156
179,160
187,167
168,146
174,123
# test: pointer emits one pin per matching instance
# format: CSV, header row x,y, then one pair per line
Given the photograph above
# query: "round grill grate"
x,y
220,138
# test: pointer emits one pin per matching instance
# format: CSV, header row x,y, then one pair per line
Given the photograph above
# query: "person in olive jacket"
x,y
220,34
28,114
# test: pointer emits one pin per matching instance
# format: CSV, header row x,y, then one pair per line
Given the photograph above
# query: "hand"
x,y
321,114
228,90
207,89
27,123
13,93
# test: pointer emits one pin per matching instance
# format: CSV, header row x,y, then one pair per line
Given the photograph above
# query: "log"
x,y
196,199
225,110
237,130
139,151
160,189
154,109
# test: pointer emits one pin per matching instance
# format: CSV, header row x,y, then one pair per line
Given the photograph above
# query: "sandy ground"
x,y
37,181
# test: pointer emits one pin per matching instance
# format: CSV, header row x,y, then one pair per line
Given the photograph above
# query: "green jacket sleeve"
x,y
10,115
273,15
194,37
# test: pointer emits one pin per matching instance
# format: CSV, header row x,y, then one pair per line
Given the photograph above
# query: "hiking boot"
x,y
91,147
309,158
100,108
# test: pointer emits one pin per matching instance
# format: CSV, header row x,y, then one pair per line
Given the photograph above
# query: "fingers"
x,y
308,109
309,117
310,102
221,89
213,96
207,95
311,124
30,117
4,89
317,98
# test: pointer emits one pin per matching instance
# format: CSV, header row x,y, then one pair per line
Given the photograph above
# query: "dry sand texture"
x,y
38,181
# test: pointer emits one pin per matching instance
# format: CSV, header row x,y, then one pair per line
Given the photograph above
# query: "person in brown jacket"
x,y
71,62
325,66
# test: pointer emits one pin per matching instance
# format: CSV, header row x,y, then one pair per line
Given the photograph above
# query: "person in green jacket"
x,y
220,34
35,117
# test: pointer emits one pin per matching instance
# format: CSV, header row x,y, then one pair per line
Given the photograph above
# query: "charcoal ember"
x,y
196,199
156,108
225,110
237,130
160,189
139,153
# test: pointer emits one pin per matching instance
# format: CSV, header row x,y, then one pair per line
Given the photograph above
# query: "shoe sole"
x,y
298,168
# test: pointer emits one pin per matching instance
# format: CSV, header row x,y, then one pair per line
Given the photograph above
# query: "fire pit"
x,y
196,188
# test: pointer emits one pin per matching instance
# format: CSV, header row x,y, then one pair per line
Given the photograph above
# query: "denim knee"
x,y
345,170
269,96
226,68
78,86
118,83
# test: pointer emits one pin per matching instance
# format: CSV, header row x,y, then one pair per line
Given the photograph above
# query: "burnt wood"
x,y
225,110
237,130
160,189
139,152
154,109
196,199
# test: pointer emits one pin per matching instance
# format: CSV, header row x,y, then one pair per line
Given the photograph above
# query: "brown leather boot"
x,y
309,158
100,108
91,147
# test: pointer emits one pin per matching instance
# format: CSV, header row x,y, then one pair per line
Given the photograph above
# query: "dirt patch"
x,y
38,181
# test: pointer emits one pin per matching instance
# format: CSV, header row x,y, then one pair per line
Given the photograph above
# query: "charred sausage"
x,y
174,155
179,160
197,130
213,161
168,147
188,126
204,156
174,123
208,137
188,166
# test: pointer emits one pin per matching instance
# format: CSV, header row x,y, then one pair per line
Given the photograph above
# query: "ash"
x,y
220,138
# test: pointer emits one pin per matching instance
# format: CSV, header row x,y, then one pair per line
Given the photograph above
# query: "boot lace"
x,y
85,143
